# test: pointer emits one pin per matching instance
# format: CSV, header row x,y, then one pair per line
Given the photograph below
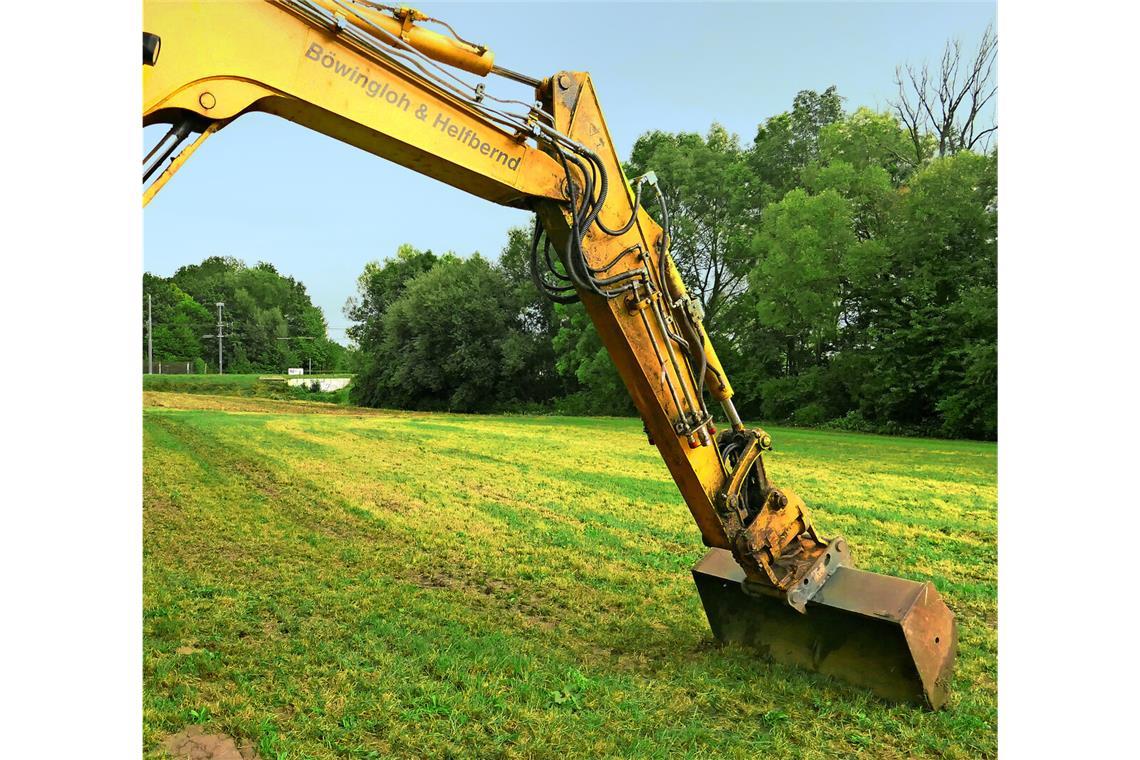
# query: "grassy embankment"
x,y
256,385
331,582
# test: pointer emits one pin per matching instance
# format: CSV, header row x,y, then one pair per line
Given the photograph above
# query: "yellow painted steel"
x,y
716,379
224,58
176,164
438,47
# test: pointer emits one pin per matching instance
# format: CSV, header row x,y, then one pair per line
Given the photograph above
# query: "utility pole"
x,y
149,338
220,305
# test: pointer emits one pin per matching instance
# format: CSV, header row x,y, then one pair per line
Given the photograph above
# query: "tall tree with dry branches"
x,y
946,110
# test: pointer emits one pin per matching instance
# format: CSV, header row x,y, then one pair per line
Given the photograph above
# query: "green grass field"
x,y
324,581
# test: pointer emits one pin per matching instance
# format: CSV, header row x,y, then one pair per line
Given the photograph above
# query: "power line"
x,y
219,336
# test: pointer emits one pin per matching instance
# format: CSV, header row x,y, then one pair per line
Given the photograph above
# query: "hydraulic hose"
x,y
632,217
553,292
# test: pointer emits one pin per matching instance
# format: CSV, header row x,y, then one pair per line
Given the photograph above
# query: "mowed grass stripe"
x,y
355,585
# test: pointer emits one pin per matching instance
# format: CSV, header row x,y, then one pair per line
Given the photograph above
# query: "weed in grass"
x,y
200,715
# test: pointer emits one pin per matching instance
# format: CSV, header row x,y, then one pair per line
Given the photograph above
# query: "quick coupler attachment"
x,y
890,635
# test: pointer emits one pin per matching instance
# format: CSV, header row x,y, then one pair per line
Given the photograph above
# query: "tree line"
x,y
269,323
846,262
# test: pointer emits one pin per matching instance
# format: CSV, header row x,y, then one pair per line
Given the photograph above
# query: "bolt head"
x,y
207,100
563,82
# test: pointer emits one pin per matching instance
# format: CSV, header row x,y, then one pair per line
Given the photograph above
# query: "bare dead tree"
x,y
949,104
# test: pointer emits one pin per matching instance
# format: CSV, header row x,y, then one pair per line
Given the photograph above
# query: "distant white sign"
x,y
296,370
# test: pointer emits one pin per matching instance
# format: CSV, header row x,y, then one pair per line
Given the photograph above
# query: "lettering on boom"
x,y
354,75
470,138
381,90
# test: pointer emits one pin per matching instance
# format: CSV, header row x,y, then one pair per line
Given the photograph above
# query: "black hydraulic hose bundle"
x,y
556,293
632,217
582,216
585,208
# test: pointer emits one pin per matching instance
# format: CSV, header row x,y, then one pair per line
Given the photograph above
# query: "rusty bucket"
x,y
890,635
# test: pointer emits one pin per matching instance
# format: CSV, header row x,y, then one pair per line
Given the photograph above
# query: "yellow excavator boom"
x,y
377,77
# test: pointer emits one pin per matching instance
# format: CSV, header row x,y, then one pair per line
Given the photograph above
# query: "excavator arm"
x,y
383,79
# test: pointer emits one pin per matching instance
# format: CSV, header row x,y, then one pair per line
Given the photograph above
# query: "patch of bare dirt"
x,y
507,596
191,743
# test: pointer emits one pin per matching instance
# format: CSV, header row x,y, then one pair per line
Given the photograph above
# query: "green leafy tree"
x,y
704,181
865,139
535,319
752,351
786,143
863,158
934,329
378,287
584,362
803,248
262,306
537,312
452,339
178,321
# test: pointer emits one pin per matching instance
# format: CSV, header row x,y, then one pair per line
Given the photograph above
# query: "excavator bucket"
x,y
892,636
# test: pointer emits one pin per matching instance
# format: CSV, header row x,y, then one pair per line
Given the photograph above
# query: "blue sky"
x,y
264,189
